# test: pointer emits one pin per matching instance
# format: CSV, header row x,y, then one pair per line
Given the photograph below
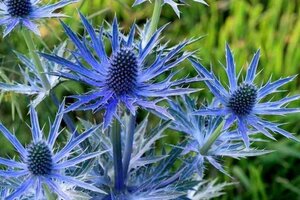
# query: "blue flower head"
x,y
39,164
24,12
126,76
173,3
199,130
242,103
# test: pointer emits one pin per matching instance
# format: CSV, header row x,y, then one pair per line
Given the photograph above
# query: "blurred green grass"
x,y
271,25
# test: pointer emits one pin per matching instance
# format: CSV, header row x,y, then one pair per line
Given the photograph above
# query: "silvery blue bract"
x,y
33,85
172,3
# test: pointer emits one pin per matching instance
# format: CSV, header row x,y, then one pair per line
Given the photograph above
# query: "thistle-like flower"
x,y
173,3
200,130
149,175
24,12
33,85
126,76
243,102
39,164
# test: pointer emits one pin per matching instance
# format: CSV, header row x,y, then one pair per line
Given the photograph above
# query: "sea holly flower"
x,y
243,103
24,12
149,174
33,85
173,3
199,131
126,76
39,164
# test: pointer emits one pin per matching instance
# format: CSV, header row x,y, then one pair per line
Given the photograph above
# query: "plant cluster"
x,y
128,75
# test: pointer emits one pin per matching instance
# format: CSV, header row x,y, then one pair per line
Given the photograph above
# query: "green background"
x,y
271,25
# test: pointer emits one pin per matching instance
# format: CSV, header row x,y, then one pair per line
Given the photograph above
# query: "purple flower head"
x,y
40,164
24,12
242,102
126,76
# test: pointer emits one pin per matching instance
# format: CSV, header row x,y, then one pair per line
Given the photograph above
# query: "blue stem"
x,y
115,134
129,144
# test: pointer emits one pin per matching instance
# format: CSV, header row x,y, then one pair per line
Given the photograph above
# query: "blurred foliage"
x,y
271,25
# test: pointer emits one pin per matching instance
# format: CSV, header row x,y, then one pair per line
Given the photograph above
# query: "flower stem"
x,y
213,137
36,59
154,19
128,144
115,134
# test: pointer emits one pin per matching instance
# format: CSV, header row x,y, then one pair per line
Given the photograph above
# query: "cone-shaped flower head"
x,y
242,103
126,76
24,12
173,3
39,164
